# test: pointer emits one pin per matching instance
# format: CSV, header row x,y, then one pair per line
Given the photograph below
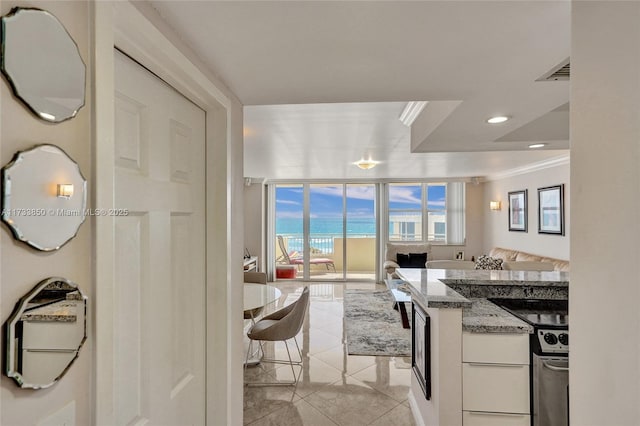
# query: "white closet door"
x,y
159,250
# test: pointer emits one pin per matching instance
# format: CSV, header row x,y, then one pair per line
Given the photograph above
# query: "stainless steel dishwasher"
x,y
550,390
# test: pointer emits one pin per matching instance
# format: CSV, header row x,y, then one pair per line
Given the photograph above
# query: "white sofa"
x,y
451,264
515,256
392,249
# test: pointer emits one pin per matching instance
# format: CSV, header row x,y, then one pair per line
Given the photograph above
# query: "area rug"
x,y
373,327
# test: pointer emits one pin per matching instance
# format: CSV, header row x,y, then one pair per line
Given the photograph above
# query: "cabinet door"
x,y
495,348
495,387
480,418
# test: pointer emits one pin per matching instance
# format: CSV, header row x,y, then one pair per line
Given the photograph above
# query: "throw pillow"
x,y
417,260
411,260
402,260
488,262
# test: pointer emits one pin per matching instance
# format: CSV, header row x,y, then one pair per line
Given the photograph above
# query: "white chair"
x,y
524,265
281,325
451,264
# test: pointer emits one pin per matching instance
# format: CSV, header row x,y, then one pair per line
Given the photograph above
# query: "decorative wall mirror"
x,y
44,197
42,63
45,332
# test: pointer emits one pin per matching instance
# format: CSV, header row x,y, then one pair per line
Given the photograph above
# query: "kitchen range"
x,y
549,356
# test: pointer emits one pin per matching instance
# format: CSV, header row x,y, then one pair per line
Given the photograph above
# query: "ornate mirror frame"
x,y
45,332
44,197
42,64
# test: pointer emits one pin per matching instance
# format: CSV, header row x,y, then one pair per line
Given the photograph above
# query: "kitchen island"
x,y
478,353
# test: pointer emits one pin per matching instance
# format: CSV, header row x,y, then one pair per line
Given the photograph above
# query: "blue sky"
x,y
326,200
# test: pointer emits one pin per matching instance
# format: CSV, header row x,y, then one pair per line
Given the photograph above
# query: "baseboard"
x,y
415,411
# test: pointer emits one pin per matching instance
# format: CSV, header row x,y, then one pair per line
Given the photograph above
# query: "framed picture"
x,y
459,255
518,211
551,210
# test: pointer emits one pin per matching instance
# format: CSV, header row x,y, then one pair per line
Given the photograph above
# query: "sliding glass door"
x,y
361,232
289,230
325,231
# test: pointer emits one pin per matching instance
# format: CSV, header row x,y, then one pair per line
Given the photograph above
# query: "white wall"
x,y
605,251
496,224
21,267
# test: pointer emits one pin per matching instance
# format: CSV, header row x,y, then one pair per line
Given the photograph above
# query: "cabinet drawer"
x,y
480,418
495,348
495,387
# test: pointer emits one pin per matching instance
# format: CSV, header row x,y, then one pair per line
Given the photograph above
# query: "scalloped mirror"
x,y
42,63
45,332
44,197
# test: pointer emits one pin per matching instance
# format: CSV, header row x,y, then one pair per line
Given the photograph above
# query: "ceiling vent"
x,y
560,72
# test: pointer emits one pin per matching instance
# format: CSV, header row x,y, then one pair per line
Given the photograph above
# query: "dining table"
x,y
258,296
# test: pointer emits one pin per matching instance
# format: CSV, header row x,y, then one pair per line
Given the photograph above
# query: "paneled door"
x,y
159,329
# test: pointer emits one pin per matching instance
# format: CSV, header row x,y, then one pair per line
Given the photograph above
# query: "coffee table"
x,y
399,299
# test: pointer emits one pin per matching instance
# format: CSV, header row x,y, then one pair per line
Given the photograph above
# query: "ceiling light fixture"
x,y
411,112
537,145
497,119
366,164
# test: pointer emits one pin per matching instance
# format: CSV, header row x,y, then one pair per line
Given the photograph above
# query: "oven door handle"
x,y
554,367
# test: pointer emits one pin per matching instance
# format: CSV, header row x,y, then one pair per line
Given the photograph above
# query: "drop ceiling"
x,y
323,83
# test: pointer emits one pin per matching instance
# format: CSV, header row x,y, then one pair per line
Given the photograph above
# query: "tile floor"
x,y
334,388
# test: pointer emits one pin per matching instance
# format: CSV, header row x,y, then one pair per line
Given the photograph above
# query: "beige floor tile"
x,y
315,375
337,357
295,414
399,416
261,401
318,341
351,402
326,385
386,378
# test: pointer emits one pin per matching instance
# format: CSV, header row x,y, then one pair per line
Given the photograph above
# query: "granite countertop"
x,y
468,290
486,317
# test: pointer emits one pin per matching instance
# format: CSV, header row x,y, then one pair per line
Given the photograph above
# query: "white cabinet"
x,y
501,388
495,379
479,418
251,264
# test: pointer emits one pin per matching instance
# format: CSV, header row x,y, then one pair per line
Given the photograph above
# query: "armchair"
x,y
391,253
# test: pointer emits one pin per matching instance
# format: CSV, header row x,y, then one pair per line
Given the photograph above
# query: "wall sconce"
x,y
494,205
65,190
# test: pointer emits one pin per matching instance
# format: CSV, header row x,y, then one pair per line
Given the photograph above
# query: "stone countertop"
x,y
468,289
486,317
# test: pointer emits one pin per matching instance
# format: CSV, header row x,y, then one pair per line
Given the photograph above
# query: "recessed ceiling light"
x,y
537,145
498,119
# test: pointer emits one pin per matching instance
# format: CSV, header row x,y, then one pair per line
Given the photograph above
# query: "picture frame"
x,y
518,217
459,255
551,210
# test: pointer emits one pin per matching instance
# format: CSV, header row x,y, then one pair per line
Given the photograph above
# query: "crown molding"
x,y
530,168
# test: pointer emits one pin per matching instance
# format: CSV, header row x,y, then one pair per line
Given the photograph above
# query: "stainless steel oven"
x,y
549,357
